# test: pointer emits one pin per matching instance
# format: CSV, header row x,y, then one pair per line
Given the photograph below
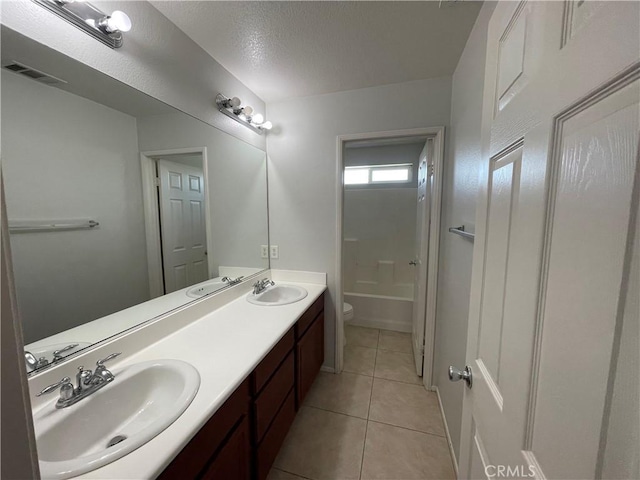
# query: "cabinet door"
x,y
310,355
233,461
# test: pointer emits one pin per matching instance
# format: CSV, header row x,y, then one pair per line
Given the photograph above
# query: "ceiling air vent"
x,y
33,73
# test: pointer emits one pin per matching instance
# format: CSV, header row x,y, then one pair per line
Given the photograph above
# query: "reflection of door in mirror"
x,y
182,223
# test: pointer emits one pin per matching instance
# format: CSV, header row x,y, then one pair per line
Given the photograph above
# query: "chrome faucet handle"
x,y
52,388
100,363
226,279
56,353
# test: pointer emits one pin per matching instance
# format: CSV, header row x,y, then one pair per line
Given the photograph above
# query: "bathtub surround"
x,y
302,194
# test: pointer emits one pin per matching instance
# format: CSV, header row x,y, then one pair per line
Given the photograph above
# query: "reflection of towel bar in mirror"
x,y
461,231
32,226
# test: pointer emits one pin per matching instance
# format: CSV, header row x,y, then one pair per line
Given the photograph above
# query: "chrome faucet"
x,y
34,363
261,285
87,383
232,281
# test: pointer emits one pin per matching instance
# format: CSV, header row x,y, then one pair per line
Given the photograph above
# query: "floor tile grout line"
x,y
407,428
366,427
397,381
404,383
333,411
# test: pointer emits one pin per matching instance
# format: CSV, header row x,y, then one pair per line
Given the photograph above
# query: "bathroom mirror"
x,y
120,207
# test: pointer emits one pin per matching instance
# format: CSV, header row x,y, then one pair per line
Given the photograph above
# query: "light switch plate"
x,y
274,251
264,251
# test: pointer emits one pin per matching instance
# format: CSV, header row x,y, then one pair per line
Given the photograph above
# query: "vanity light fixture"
x,y
106,28
232,108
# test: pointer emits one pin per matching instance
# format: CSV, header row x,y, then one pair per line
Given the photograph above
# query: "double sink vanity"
x,y
212,399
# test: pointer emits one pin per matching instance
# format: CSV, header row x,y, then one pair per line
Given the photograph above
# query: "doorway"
x,y
405,287
176,199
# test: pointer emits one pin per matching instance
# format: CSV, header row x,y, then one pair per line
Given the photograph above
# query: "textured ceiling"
x,y
289,49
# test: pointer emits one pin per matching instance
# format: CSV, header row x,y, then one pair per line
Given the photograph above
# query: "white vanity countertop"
x,y
224,346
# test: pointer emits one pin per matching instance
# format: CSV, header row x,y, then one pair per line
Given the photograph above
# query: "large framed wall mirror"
x,y
120,207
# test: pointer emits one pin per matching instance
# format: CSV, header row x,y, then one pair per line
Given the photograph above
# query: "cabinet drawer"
x,y
270,446
309,316
274,393
193,458
310,356
270,363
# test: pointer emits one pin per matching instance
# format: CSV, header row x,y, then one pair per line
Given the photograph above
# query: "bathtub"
x,y
391,309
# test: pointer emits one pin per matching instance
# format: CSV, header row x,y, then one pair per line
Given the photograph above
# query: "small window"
x,y
377,174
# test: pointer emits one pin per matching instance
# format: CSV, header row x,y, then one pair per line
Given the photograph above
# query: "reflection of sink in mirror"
x,y
205,288
113,275
278,295
53,353
142,401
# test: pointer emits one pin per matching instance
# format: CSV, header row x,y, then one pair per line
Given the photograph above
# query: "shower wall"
x,y
379,241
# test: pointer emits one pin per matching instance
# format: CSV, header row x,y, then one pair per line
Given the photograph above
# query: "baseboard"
x,y
454,461
327,369
381,323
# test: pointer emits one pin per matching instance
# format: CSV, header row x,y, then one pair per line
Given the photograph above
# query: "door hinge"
x,y
156,182
431,170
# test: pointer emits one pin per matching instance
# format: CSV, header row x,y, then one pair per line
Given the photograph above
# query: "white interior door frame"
x,y
437,133
152,213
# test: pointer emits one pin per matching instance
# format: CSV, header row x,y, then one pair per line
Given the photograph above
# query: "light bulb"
x,y
118,21
234,102
257,118
247,110
267,125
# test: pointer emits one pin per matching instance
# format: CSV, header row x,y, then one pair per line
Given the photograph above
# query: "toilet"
x,y
347,311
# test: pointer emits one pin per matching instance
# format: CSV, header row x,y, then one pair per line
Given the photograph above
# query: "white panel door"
x,y
182,225
555,270
421,261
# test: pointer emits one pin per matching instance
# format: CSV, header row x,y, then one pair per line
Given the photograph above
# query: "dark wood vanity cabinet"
x,y
243,438
309,349
221,446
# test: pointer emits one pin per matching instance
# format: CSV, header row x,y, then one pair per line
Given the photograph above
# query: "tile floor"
x,y
373,421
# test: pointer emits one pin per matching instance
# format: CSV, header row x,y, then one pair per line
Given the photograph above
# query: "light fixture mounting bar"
x,y
220,102
84,16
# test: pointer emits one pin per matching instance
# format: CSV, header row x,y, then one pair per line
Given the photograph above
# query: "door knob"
x,y
413,262
466,375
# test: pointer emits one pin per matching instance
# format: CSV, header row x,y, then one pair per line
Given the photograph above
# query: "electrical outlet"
x,y
264,251
274,251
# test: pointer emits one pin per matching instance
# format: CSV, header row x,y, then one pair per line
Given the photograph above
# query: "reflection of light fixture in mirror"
x,y
232,108
106,28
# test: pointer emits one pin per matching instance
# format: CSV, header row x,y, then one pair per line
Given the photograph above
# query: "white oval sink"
x,y
205,288
143,400
278,295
